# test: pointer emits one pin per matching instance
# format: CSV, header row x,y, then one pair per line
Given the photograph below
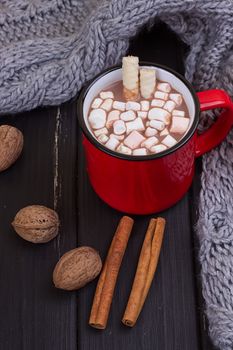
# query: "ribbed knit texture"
x,y
48,49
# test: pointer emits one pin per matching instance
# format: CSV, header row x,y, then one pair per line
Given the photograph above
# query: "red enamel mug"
x,y
151,183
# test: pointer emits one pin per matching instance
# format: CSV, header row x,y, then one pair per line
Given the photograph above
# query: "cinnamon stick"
x,y
107,280
146,268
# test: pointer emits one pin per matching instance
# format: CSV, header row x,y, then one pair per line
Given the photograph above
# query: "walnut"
x,y
76,268
11,145
36,223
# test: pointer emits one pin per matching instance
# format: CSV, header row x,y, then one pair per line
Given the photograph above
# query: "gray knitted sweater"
x,y
48,49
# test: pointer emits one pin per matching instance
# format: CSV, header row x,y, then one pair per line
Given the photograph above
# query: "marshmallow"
x,y
145,105
127,116
169,141
140,152
119,127
112,143
112,117
119,105
96,103
97,118
106,94
136,124
103,138
157,124
177,113
161,95
107,104
158,148
179,125
147,123
159,114
177,98
123,149
118,137
151,141
165,132
165,87
134,139
169,106
142,114
133,106
157,103
151,132
101,131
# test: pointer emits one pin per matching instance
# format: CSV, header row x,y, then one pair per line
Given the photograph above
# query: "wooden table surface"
x,y
51,172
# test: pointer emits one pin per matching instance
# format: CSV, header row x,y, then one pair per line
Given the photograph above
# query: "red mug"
x,y
151,183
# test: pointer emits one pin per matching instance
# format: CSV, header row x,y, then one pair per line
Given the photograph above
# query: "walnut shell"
x,y
76,268
11,145
36,223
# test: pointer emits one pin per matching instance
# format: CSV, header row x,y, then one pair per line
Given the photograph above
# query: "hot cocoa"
x,y
139,115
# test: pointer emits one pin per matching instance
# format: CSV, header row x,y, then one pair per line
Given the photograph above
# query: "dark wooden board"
x,y
34,315
169,318
51,171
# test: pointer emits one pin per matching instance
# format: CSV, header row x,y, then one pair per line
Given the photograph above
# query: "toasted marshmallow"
x,y
118,137
103,138
157,103
158,148
142,114
112,143
177,113
179,125
127,116
96,103
161,95
101,131
119,127
169,141
106,94
136,124
123,149
132,106
97,118
112,117
165,132
157,124
145,105
169,106
151,141
134,140
140,152
151,132
159,114
165,87
119,105
107,104
177,98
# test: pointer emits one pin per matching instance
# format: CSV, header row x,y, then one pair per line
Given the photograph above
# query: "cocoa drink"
x,y
139,115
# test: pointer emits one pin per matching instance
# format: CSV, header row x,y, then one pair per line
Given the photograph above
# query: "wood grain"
x,y
34,314
169,318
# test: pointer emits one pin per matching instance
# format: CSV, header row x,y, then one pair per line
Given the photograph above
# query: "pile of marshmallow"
x,y
131,127
138,127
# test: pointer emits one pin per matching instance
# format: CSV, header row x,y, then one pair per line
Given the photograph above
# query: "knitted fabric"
x,y
49,49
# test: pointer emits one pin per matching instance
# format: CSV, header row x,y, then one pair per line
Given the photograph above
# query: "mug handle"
x,y
212,99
